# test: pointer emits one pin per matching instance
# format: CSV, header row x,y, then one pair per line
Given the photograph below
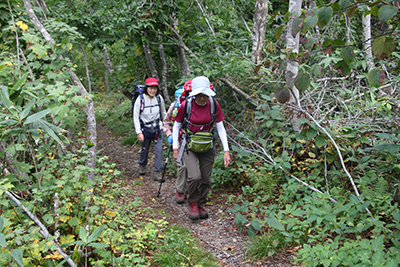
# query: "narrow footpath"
x,y
218,234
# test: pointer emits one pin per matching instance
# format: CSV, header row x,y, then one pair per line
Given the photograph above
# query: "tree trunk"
x,y
259,26
149,59
108,68
184,47
367,44
87,69
292,46
164,71
91,119
183,63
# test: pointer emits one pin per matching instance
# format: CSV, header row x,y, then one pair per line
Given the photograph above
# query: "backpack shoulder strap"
x,y
188,111
213,108
142,102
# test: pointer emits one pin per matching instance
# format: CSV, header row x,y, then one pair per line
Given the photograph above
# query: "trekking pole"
x,y
165,166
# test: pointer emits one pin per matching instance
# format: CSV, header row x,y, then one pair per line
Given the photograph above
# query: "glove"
x,y
170,139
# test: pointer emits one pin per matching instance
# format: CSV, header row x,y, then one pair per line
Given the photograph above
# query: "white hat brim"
x,y
202,90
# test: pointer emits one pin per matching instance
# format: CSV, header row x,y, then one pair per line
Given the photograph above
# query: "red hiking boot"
x,y
180,198
193,211
203,213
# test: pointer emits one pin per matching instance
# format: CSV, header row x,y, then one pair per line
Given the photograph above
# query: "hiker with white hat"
x,y
197,116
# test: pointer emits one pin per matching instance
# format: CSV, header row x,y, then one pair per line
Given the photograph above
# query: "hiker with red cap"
x,y
147,117
196,116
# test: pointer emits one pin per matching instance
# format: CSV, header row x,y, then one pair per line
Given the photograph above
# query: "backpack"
x,y
138,90
201,141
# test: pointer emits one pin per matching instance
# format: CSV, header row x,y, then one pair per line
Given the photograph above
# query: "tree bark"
x,y
108,68
164,70
183,63
149,58
367,44
292,69
240,92
259,27
184,47
91,119
87,68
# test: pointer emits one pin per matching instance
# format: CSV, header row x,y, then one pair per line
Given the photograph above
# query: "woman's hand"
x,y
227,159
140,137
176,153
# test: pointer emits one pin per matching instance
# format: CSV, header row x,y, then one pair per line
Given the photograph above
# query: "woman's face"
x,y
201,99
152,90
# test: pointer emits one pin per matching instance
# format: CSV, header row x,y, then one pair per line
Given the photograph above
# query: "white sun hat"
x,y
201,85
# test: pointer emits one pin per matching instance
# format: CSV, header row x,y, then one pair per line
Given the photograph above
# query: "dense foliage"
x,y
329,191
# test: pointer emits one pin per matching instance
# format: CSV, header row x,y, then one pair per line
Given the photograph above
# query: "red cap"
x,y
151,81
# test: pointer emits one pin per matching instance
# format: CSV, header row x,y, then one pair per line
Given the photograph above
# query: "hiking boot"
x,y
193,211
142,169
180,198
203,213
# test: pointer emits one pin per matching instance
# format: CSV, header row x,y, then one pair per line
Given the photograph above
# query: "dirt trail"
x,y
218,234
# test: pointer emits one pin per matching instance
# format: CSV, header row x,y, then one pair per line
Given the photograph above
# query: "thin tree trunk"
x,y
259,26
87,69
347,32
91,119
367,44
184,47
164,70
292,69
108,68
150,62
183,63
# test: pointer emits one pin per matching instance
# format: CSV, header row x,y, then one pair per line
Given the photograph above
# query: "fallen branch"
x,y
43,230
271,160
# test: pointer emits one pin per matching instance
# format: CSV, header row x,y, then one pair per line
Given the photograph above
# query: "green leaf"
x,y
49,130
256,224
27,110
342,67
320,141
6,100
1,223
3,242
98,245
278,32
20,82
383,47
325,15
9,122
17,256
96,233
377,244
311,133
396,216
83,235
297,24
273,222
344,4
347,54
302,81
37,116
376,77
310,22
240,220
251,232
387,12
64,261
